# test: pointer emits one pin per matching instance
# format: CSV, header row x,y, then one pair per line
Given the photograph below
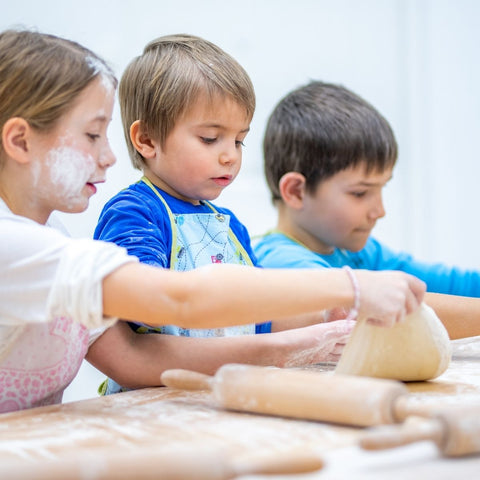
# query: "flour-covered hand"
x,y
323,342
386,297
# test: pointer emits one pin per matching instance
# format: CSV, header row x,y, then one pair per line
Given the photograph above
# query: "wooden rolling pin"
x,y
153,463
455,430
306,394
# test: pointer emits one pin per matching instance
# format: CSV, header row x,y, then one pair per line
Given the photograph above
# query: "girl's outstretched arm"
x,y
225,295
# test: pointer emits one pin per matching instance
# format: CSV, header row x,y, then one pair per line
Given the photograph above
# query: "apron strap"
x,y
145,180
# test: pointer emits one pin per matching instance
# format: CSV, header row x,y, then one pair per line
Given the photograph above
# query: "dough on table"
x,y
416,349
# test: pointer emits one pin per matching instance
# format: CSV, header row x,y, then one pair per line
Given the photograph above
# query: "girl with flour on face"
x,y
75,156
58,294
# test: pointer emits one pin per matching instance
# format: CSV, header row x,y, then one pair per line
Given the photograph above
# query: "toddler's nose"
x,y
230,155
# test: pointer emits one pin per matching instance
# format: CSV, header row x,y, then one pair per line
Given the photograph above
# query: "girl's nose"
x,y
107,158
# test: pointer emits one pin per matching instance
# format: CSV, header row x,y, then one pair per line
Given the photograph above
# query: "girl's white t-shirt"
x,y
46,274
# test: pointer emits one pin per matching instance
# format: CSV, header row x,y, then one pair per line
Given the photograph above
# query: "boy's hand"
x,y
323,342
386,297
338,313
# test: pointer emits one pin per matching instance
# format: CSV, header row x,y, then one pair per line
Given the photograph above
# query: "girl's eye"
x,y
208,140
93,136
239,143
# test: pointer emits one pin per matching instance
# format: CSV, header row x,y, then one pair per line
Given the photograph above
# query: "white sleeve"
x,y
46,274
77,287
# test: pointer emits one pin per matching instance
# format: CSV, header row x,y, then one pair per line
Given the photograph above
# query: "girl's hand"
x,y
386,297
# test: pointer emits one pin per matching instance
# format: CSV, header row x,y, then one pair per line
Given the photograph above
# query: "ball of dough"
x,y
416,349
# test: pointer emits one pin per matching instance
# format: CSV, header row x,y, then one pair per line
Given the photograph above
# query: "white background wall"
x,y
415,60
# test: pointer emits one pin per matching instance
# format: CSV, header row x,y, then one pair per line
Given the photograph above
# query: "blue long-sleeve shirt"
x,y
276,250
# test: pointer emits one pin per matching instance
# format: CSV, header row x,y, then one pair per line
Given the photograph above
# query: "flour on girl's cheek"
x,y
70,170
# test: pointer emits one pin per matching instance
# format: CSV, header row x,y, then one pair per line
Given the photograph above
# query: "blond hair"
x,y
41,75
160,85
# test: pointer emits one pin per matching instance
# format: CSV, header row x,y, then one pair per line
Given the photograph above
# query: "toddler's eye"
x,y
208,140
239,143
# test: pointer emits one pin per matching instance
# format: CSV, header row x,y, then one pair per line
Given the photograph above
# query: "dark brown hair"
x,y
320,129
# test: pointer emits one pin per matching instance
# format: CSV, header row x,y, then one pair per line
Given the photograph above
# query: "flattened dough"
x,y
416,349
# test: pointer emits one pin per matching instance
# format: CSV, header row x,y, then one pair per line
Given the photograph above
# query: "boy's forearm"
x,y
460,315
138,360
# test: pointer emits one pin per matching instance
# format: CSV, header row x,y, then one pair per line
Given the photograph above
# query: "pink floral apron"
x,y
42,362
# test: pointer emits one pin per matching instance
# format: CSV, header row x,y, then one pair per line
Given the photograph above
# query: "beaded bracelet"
x,y
353,313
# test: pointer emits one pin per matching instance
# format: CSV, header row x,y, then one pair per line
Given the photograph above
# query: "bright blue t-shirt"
x,y
276,250
137,220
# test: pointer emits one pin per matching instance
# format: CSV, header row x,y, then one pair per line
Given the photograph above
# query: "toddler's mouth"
x,y
223,181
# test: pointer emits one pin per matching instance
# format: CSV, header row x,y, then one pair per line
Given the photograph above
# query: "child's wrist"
x,y
353,313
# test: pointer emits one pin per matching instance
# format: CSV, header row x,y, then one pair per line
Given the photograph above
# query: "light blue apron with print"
x,y
197,239
200,239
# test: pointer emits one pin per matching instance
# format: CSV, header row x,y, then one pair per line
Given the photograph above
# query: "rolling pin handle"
x,y
391,436
404,407
291,462
186,379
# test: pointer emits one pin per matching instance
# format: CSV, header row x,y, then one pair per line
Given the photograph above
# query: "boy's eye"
x,y
208,140
359,194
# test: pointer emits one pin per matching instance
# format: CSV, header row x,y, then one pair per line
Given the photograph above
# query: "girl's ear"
x,y
142,142
16,138
292,189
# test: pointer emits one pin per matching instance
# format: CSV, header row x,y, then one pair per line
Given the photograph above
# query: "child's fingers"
x,y
411,303
384,322
417,292
398,295
333,358
342,328
338,313
338,348
325,342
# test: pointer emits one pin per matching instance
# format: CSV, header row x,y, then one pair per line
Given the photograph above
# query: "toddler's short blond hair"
x,y
160,85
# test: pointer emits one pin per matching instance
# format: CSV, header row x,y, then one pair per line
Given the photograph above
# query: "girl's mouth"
x,y
92,188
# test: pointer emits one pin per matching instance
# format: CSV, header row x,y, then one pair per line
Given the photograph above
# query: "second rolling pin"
x,y
305,394
454,429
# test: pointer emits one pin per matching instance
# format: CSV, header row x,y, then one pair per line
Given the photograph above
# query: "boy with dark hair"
x,y
328,155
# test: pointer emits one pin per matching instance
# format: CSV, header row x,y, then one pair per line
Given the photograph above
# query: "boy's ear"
x,y
16,134
292,189
142,142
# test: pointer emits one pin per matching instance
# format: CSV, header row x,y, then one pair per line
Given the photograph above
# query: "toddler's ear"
x,y
142,142
292,189
15,139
